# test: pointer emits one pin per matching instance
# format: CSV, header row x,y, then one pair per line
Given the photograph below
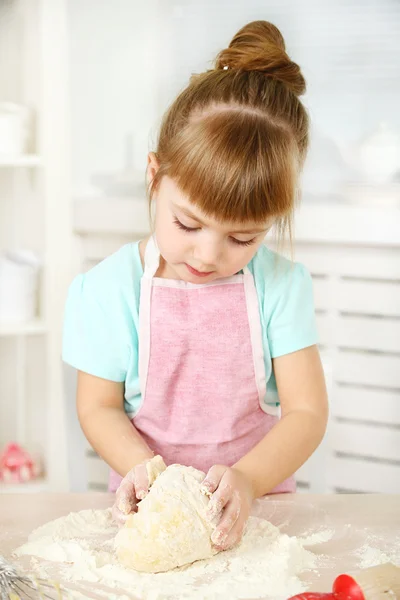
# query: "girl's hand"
x,y
232,495
133,487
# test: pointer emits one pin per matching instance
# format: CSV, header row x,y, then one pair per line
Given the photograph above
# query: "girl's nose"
x,y
207,254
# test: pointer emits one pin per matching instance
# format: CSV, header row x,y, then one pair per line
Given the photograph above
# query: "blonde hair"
x,y
235,139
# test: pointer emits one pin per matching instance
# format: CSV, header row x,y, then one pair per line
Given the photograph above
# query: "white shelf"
x,y
24,160
30,487
314,222
35,327
106,215
350,224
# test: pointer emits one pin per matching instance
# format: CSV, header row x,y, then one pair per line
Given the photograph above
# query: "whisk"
x,y
17,586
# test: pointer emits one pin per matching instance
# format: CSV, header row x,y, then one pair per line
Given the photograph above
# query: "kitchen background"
x,y
83,85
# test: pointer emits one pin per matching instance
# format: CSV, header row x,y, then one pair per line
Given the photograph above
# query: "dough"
x,y
154,468
170,528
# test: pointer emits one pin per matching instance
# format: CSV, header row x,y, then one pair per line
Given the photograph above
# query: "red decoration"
x,y
16,465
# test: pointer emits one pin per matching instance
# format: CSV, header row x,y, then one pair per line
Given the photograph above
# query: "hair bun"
x,y
259,46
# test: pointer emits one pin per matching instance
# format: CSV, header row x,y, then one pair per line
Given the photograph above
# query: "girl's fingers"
x,y
125,500
118,516
234,536
141,479
219,499
213,478
133,487
222,536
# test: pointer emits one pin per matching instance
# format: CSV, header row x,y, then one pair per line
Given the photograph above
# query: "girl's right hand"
x,y
134,487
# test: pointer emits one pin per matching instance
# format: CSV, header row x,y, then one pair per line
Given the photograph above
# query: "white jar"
x,y
379,155
19,277
14,129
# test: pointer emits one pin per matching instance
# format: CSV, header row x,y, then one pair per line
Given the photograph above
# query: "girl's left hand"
x,y
232,495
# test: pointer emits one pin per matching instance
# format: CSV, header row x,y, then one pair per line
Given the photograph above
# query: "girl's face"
x,y
196,248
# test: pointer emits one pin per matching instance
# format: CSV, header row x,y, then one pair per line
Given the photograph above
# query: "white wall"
x,y
129,60
113,49
348,51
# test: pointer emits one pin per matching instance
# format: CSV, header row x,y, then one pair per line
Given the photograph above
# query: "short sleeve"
x,y
91,336
291,321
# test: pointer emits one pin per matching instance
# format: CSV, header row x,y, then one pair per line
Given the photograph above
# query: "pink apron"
x,y
201,370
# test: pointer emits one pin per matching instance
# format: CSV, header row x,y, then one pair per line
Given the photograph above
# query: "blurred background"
x,y
83,85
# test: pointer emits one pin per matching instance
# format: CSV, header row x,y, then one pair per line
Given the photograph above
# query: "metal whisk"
x,y
16,586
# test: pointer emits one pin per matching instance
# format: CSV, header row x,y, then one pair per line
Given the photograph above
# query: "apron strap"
x,y
151,258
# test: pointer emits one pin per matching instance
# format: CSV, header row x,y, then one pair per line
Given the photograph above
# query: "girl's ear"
x,y
152,167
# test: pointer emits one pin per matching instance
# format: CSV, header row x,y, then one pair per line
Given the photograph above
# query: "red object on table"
x,y
314,596
16,465
344,588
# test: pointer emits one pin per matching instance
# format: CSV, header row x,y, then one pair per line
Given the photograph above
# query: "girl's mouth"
x,y
198,273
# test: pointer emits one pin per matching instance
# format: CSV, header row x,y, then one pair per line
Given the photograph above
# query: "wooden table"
x,y
370,522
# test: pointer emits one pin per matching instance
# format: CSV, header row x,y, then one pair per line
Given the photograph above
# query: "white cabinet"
x,y
353,254
35,214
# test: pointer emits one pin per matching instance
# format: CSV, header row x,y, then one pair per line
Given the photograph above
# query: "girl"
x,y
192,343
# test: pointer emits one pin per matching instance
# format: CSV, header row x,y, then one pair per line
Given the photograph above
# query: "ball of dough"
x,y
170,528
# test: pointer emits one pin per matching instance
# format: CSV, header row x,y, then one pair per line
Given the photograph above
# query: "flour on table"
x,y
369,555
79,549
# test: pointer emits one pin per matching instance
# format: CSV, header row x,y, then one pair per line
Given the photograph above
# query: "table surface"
x,y
367,522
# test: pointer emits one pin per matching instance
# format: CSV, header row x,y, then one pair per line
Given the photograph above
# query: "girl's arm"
x,y
302,393
100,405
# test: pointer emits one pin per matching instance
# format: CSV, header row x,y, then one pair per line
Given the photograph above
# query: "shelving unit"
x,y
318,221
108,215
25,160
37,486
35,214
35,327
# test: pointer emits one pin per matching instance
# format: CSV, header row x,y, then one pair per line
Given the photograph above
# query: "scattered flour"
x,y
369,555
79,549
379,549
317,538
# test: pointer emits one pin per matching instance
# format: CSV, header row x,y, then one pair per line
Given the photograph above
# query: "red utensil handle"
x,y
313,596
346,586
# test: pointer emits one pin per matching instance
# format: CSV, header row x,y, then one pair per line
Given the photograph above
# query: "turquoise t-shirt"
x,y
102,317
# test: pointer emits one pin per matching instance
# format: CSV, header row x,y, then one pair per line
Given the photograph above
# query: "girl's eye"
x,y
240,243
183,227
192,229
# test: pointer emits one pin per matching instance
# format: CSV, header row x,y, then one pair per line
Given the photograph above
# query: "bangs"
x,y
235,166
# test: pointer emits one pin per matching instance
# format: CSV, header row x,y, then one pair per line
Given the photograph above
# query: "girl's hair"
x,y
235,139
